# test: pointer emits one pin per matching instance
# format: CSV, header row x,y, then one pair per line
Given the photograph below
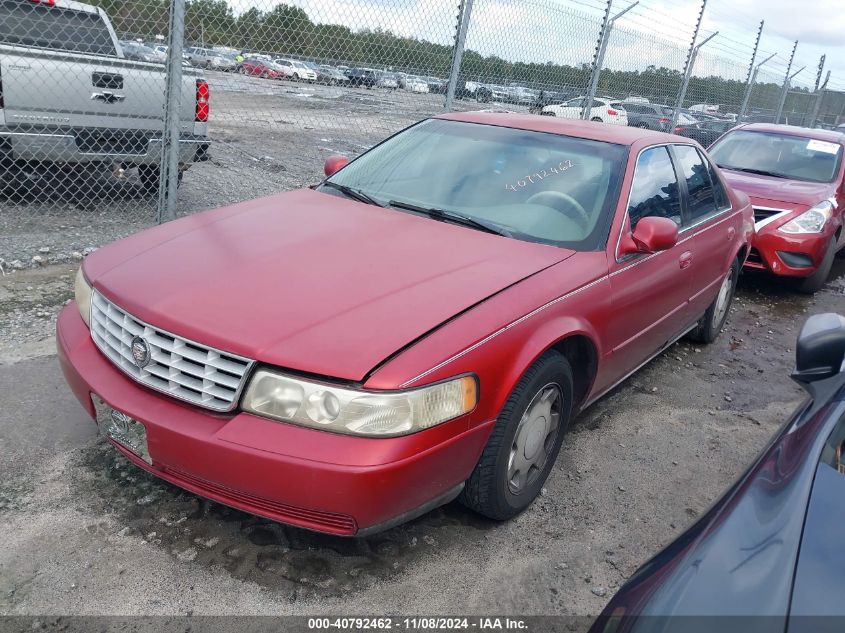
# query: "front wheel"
x,y
596,119
714,318
525,441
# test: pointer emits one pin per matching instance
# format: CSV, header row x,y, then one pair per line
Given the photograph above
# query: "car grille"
x,y
178,367
764,213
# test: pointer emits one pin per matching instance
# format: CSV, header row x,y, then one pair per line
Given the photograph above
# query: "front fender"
x,y
500,339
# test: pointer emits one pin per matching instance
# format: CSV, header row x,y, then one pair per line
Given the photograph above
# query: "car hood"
x,y
765,189
309,280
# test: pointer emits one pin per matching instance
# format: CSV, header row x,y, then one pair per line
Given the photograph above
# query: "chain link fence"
x,y
269,89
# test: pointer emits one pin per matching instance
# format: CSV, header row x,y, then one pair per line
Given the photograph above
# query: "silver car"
x,y
207,58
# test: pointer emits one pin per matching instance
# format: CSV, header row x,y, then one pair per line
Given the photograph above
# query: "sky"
x,y
654,32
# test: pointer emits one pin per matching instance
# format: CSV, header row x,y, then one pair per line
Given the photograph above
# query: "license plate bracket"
x,y
123,429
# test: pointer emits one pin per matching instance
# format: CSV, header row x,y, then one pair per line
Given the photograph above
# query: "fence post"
x,y
464,13
785,88
744,108
752,74
598,59
816,92
688,64
169,160
818,104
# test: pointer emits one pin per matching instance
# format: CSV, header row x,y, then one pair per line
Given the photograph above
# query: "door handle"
x,y
685,260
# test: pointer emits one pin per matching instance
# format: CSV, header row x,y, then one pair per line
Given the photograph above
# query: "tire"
x,y
491,490
597,119
542,113
816,281
642,126
296,76
149,176
711,324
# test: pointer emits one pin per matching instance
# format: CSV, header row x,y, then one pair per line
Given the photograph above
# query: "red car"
x,y
263,68
795,178
421,326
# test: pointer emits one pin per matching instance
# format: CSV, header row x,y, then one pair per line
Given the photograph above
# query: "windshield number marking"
x,y
539,175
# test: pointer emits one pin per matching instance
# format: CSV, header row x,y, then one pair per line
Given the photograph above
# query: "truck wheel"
x,y
525,441
714,318
814,282
150,175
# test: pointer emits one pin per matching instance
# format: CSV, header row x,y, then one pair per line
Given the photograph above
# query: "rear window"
x,y
28,24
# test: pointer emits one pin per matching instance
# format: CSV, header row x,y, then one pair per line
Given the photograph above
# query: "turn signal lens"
x,y
357,412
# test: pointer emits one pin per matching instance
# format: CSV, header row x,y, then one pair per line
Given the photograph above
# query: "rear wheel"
x,y
814,282
596,119
643,126
149,175
714,318
525,441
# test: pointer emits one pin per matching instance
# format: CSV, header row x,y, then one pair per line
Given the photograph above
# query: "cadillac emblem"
x,y
140,351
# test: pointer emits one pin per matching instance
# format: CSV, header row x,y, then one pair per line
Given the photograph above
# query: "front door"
x,y
649,291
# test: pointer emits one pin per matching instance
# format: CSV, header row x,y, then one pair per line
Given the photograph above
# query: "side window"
x,y
574,103
701,199
654,190
719,192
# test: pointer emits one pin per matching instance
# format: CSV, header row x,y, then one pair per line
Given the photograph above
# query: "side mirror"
x,y
334,164
820,352
652,235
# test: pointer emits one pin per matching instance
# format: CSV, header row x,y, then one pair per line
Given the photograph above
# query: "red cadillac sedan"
x,y
795,178
420,326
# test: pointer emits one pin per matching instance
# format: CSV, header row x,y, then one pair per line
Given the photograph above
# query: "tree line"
x,y
288,30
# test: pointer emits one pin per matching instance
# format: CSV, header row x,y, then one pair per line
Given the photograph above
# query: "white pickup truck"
x,y
70,101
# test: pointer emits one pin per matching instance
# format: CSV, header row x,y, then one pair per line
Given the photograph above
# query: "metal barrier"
x,y
115,115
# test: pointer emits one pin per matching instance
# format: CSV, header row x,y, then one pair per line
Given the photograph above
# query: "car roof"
x,y
794,130
619,134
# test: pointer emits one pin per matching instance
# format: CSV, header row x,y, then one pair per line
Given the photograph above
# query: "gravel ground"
x,y
267,136
85,532
88,533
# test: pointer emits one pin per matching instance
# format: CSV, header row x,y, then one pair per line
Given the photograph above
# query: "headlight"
x,y
811,221
354,412
82,294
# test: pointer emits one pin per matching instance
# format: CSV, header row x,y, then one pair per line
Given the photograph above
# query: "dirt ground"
x,y
85,532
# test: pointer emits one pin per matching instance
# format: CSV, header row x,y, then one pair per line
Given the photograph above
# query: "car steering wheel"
x,y
571,206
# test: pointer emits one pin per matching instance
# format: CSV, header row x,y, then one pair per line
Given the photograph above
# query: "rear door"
x,y
61,66
650,291
709,229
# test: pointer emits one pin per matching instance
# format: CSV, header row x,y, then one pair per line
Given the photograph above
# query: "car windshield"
x,y
530,185
779,155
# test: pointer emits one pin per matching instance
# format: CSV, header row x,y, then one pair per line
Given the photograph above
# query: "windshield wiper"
x,y
750,170
451,216
355,194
